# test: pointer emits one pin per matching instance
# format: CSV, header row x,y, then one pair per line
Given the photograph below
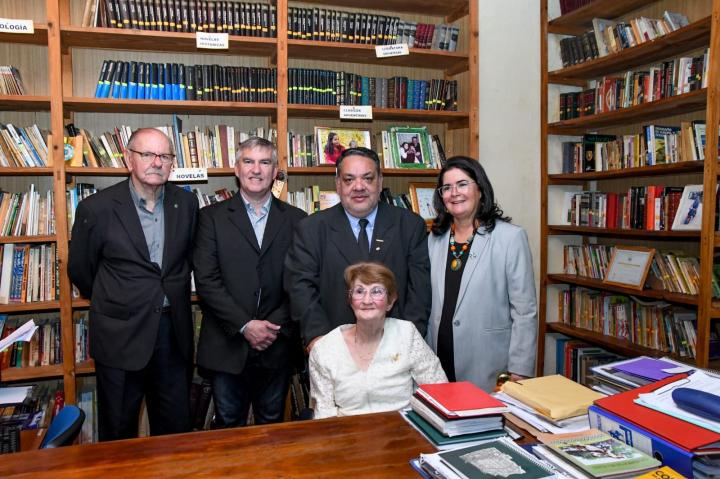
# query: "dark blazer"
x,y
230,270
324,245
110,263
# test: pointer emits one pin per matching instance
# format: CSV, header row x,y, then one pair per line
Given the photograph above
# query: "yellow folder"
x,y
556,397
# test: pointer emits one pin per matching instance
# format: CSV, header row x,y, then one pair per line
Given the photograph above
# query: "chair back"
x,y
64,428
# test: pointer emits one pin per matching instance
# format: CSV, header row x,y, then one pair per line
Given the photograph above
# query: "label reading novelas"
x,y
211,41
9,25
355,112
384,51
182,175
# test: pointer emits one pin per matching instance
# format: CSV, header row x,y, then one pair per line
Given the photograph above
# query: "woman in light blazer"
x,y
484,310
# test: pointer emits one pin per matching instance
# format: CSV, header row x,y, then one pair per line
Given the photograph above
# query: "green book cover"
x,y
439,439
499,458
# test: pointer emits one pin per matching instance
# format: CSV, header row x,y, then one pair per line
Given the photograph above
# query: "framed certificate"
x,y
629,266
421,199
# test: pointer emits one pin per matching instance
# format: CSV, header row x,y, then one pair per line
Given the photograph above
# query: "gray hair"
x,y
257,142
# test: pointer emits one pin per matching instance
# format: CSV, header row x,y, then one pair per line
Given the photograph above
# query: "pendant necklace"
x,y
457,261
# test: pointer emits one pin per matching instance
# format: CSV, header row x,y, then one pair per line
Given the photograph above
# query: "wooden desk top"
x,y
369,446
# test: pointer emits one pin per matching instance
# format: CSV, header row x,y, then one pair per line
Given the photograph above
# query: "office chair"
x,y
64,428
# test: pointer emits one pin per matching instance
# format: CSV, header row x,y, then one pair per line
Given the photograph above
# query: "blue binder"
x,y
642,439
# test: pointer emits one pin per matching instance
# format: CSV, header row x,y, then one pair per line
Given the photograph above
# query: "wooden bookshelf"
x,y
427,7
38,37
25,102
624,233
330,171
38,171
85,367
454,119
191,107
31,374
579,21
28,239
642,171
15,308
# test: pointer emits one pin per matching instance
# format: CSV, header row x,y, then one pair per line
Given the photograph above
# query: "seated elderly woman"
x,y
370,366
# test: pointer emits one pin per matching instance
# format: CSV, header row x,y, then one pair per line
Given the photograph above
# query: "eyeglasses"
x,y
149,156
461,187
376,293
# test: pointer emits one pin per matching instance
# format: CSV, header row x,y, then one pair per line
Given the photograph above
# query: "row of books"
x,y
27,214
173,81
87,401
574,359
312,199
74,196
23,147
43,349
82,337
205,199
10,81
609,37
28,273
663,80
43,400
656,326
326,87
233,18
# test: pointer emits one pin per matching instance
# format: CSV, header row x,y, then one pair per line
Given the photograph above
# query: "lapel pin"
x,y
377,249
175,205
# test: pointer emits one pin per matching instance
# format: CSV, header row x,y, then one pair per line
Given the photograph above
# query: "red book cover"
x,y
676,431
460,399
611,218
650,209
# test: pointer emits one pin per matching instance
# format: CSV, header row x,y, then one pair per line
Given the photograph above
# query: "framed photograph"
x,y
421,199
629,266
331,142
689,212
410,147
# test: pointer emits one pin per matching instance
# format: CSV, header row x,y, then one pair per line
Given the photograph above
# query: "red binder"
x,y
462,399
686,435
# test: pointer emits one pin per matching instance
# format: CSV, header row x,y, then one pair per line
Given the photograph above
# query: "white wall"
x,y
509,59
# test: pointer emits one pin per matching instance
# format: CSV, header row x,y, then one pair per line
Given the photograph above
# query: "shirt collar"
x,y
355,221
249,206
138,201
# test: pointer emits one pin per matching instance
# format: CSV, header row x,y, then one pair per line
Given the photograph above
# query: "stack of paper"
x,y
630,373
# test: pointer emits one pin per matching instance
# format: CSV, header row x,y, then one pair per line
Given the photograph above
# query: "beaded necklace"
x,y
457,262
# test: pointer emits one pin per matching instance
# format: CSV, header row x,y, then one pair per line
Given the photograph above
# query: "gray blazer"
x,y
495,320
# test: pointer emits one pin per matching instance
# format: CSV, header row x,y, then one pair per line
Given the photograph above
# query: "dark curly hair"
x,y
488,211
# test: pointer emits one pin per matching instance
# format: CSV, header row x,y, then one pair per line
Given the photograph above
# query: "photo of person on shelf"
x,y
374,364
333,148
130,254
484,317
415,144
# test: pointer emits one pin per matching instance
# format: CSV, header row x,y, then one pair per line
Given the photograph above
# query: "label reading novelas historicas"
x,y
211,41
8,25
384,51
183,175
355,112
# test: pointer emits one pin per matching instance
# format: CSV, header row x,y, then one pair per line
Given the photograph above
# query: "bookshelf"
x,y
703,31
61,61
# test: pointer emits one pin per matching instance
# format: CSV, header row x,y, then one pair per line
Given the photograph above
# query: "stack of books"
x,y
454,414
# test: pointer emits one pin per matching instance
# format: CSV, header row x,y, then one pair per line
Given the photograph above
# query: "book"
x,y
441,441
454,427
460,399
555,397
598,454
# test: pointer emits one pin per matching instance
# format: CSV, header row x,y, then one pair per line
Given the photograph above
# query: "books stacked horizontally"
x,y
624,375
455,414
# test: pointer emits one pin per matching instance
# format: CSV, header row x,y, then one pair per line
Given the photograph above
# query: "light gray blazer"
x,y
495,322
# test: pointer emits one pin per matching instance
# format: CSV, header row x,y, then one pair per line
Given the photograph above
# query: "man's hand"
x,y
260,333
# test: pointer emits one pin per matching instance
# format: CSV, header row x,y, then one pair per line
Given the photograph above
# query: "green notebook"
x,y
438,439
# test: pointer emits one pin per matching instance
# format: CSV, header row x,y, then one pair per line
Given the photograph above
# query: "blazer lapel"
x,y
171,210
128,216
237,214
342,236
478,248
273,224
383,233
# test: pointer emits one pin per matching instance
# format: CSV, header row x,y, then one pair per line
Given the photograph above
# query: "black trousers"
x,y
164,383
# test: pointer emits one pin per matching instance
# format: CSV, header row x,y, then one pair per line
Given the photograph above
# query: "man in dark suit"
x,y
130,255
358,229
245,340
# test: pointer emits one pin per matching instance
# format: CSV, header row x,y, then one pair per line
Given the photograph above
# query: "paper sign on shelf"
x,y
356,112
384,51
11,25
183,175
211,41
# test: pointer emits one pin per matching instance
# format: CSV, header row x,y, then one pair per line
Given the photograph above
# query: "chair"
x,y
64,428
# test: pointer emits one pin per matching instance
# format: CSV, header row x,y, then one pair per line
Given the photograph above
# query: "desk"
x,y
368,446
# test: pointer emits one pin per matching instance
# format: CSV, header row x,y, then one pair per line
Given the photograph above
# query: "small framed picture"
x,y
629,266
421,199
689,212
411,147
331,142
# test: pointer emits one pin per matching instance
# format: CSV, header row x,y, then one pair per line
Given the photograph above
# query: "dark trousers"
x,y
164,383
264,388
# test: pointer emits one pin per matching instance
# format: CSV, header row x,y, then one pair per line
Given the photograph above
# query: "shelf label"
x,y
211,41
384,51
356,112
183,175
10,25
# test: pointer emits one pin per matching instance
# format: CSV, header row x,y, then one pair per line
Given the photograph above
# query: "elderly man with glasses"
x,y
130,254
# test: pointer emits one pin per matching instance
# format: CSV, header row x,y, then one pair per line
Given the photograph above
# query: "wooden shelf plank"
x,y
646,293
580,20
691,37
112,105
23,307
680,104
147,40
621,346
87,171
357,53
657,170
427,7
80,303
330,171
39,171
24,103
26,374
85,367
650,235
717,240
427,116
28,239
38,37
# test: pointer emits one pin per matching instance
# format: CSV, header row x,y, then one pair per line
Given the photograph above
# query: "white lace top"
x,y
402,360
